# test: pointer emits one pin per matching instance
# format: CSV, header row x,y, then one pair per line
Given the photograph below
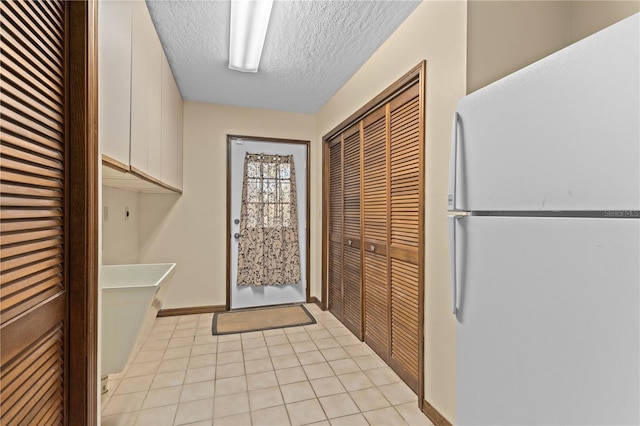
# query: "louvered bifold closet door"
x,y
406,225
376,288
32,221
352,293
335,228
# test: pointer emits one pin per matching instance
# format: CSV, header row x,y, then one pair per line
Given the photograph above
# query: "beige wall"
x,y
588,17
190,229
436,31
119,233
504,36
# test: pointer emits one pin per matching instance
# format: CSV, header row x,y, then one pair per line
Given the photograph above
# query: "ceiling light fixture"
x,y
249,22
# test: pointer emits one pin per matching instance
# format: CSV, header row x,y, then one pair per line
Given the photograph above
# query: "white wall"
x,y
119,233
435,31
191,229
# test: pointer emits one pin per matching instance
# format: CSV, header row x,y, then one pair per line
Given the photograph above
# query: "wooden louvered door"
x,y
375,197
33,220
375,218
352,271
406,226
335,228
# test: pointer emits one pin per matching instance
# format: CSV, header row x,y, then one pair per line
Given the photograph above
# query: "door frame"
x,y
308,208
82,211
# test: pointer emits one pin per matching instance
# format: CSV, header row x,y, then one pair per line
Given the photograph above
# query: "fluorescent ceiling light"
x,y
249,21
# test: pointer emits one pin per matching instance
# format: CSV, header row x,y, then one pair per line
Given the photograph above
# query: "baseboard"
x,y
191,310
434,415
315,300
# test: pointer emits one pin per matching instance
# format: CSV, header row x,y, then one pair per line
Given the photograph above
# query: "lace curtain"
x,y
268,248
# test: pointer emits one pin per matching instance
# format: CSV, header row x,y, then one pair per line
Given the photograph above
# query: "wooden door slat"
x,y
30,20
9,163
51,23
52,35
31,263
37,89
22,225
32,100
29,191
31,36
30,235
30,147
20,178
13,40
16,250
30,297
54,11
26,122
24,109
28,157
27,375
29,213
27,134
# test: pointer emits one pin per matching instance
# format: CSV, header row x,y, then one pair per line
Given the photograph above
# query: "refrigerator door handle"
x,y
453,222
453,164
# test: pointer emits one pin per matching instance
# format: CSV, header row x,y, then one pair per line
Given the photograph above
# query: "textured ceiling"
x,y
311,50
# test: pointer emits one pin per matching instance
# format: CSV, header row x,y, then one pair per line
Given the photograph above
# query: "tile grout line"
x,y
333,331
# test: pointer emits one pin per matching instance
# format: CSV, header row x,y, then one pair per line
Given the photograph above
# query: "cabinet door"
x,y
352,292
376,287
146,93
170,104
405,176
335,228
114,84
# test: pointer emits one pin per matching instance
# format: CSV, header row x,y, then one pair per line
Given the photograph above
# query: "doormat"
x,y
260,319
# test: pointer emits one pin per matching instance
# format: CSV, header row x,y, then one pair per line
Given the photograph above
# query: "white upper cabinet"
x,y
140,105
114,84
146,93
171,129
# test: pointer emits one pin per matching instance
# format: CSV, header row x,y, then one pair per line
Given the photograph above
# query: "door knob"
x,y
350,243
373,248
236,236
237,221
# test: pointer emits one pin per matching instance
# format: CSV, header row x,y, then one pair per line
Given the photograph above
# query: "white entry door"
x,y
251,296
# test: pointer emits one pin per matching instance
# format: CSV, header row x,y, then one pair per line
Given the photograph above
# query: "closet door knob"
x,y
236,236
350,243
373,248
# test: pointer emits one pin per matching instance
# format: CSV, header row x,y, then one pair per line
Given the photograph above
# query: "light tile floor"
x,y
319,374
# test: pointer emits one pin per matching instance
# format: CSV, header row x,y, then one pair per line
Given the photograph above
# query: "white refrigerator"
x,y
545,258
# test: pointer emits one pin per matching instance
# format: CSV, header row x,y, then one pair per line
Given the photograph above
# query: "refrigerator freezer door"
x,y
548,321
561,134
